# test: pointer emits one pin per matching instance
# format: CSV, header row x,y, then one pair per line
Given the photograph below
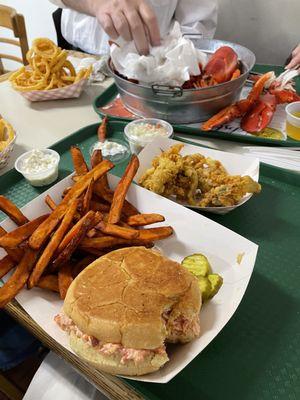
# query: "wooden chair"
x,y
10,19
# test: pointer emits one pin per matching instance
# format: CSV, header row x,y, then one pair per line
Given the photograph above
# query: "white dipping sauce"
x,y
38,161
109,148
39,167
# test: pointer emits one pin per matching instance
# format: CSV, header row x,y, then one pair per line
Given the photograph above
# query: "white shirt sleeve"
x,y
58,3
197,16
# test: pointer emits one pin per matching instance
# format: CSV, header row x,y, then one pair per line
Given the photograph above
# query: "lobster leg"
x,y
222,117
285,96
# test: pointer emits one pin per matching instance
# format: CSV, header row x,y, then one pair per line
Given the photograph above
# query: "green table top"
x,y
257,354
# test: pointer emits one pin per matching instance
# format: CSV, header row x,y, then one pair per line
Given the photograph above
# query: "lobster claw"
x,y
260,115
238,109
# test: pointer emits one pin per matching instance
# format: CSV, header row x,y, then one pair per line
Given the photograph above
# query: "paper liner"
x,y
235,164
192,233
4,155
67,92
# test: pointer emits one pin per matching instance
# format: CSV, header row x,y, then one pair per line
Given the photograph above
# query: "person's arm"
x,y
130,19
295,58
197,16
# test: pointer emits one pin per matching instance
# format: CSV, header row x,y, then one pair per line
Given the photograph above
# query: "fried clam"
x,y
196,180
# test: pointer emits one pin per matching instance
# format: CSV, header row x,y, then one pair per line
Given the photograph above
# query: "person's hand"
x,y
295,58
130,19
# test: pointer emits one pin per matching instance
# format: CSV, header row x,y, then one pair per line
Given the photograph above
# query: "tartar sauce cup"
x,y
140,132
114,150
38,172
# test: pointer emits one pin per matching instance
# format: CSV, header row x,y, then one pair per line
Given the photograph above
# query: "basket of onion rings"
x,y
7,140
49,75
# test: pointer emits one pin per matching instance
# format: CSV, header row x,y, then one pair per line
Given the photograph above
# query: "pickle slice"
x,y
216,281
197,264
205,288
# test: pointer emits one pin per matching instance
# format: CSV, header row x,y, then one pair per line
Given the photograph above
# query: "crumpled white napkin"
x,y
172,63
100,70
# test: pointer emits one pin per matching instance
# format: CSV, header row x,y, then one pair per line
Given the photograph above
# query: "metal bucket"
x,y
184,106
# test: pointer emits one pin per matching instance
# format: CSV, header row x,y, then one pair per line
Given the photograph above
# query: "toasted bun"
x,y
121,297
112,363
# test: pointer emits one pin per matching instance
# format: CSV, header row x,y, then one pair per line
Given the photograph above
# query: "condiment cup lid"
x,y
19,161
116,158
151,121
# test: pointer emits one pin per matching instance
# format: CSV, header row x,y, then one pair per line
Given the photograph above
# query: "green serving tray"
x,y
257,354
111,92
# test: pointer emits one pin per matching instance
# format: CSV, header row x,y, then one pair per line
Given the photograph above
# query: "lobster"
x,y
258,108
222,66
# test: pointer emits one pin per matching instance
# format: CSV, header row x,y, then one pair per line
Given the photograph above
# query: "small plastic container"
x,y
45,176
137,143
116,158
293,120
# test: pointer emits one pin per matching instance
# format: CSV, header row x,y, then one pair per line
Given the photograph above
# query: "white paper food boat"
x,y
235,164
193,233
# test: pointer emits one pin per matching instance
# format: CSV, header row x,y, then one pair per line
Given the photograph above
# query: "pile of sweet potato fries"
x,y
91,220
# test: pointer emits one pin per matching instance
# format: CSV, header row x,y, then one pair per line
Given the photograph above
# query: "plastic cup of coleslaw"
x,y
39,167
143,131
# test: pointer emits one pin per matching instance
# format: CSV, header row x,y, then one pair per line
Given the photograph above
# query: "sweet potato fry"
x,y
43,232
92,251
121,190
102,130
67,189
6,264
107,195
110,241
87,198
144,219
103,181
153,234
91,233
79,163
97,217
65,279
12,211
118,231
78,233
82,264
49,282
53,244
96,157
15,254
98,206
18,279
14,238
50,202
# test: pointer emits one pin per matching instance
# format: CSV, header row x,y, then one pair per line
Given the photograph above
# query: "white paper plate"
x,y
235,164
193,233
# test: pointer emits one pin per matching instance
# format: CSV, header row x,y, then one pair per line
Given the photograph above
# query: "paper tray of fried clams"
x,y
198,177
50,75
131,285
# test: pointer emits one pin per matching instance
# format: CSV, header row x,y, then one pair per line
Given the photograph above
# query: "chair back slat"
x,y
6,16
10,19
11,57
10,41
